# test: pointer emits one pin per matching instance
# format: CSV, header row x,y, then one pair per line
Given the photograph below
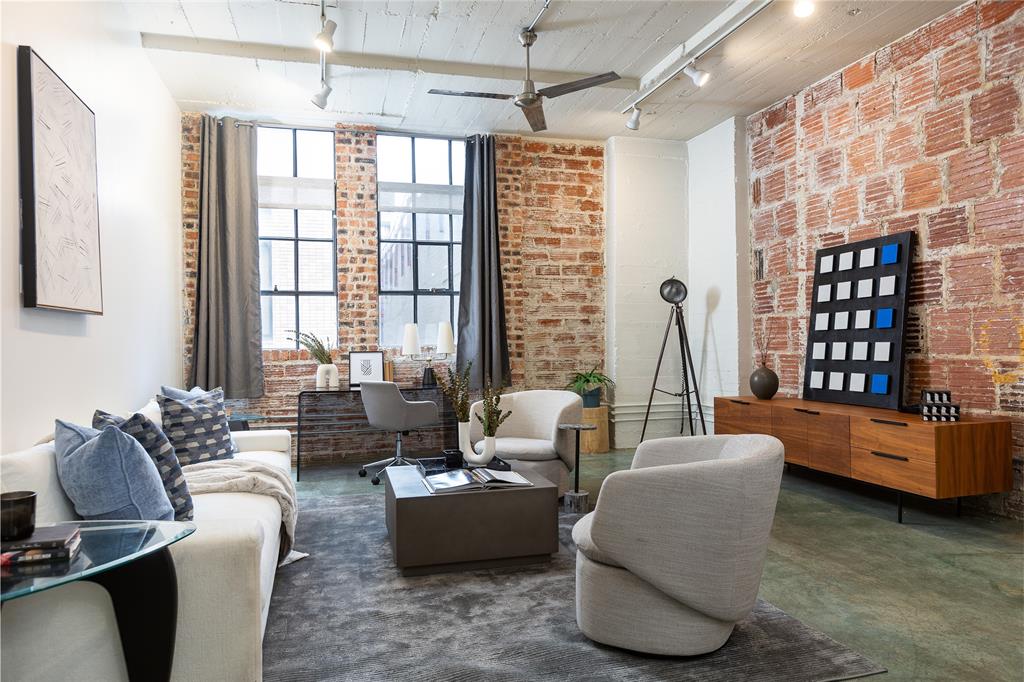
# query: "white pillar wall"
x,y
646,236
718,256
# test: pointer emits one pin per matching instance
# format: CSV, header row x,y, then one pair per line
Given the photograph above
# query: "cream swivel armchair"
x,y
530,439
671,557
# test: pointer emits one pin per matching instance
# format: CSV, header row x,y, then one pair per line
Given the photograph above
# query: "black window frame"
x,y
416,292
296,293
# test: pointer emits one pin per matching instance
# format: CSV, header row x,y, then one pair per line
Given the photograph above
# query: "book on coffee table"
x,y
461,480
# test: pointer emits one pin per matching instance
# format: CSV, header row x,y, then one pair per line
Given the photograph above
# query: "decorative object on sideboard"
x,y
937,406
322,352
857,322
764,382
365,366
588,385
674,292
17,515
60,228
455,387
490,418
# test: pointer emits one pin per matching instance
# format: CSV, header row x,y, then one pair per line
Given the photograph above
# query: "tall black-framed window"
x,y
297,234
419,227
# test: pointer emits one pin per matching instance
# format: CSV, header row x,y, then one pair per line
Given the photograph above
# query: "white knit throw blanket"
x,y
244,476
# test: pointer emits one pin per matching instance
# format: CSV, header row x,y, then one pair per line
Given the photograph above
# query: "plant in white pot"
x,y
455,387
321,350
490,418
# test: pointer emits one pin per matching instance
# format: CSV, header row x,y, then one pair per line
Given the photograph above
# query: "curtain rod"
x,y
386,131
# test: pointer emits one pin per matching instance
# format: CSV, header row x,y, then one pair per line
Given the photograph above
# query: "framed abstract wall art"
x,y
858,319
60,231
365,366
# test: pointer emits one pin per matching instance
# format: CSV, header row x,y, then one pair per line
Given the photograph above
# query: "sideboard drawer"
x,y
909,437
739,415
894,470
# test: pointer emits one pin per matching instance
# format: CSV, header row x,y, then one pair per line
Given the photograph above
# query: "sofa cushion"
x,y
152,438
584,543
197,427
521,448
281,460
108,475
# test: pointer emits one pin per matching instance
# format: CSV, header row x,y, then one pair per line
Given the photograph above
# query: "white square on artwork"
x,y
817,379
883,350
824,293
818,351
839,350
826,264
821,322
841,320
862,320
860,350
857,382
835,381
864,288
867,257
843,291
887,286
846,261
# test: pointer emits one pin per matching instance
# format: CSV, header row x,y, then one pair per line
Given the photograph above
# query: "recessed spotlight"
x,y
803,8
853,11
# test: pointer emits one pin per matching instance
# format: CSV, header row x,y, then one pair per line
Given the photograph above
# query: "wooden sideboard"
x,y
896,450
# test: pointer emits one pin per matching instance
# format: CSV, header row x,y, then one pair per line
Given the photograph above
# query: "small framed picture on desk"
x,y
365,366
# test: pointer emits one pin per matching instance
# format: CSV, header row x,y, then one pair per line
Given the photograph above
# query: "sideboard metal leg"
x,y
959,505
899,507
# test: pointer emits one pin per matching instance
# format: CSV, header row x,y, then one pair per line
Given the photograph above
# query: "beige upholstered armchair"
x,y
671,557
530,439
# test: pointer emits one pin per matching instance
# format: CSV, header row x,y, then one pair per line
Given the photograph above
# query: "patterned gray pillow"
x,y
160,451
197,427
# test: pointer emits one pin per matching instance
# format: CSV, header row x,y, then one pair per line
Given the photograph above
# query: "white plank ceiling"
x,y
255,58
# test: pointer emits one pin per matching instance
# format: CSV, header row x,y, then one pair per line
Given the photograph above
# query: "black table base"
x,y
145,597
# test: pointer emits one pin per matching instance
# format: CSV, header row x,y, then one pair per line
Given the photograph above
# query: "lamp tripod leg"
x,y
657,371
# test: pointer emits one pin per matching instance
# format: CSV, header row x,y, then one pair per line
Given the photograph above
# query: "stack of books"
x,y
48,551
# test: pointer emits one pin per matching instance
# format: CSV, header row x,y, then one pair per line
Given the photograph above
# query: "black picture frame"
x,y
897,301
33,268
374,356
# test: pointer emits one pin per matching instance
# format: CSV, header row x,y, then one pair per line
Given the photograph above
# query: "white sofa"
x,y
225,578
530,439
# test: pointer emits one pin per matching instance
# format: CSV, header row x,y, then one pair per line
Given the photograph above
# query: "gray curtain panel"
x,y
482,337
227,349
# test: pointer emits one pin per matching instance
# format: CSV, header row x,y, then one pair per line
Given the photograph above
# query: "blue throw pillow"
x,y
108,475
182,394
161,451
197,427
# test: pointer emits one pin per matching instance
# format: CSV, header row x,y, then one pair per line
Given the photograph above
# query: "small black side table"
x,y
576,502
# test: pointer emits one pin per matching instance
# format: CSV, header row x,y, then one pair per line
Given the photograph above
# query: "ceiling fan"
x,y
530,100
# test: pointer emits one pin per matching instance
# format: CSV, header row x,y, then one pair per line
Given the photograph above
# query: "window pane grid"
x,y
427,290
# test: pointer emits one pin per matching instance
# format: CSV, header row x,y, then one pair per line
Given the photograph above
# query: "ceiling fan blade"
x,y
581,84
461,93
535,117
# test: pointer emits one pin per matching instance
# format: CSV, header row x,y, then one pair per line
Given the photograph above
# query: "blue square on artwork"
x,y
883,318
880,383
890,254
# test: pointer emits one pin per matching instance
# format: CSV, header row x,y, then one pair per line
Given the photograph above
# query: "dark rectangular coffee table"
x,y
468,530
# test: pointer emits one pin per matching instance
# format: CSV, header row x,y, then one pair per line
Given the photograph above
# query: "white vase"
x,y
465,442
484,457
327,376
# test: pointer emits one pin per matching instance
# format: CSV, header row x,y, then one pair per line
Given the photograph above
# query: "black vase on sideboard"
x,y
764,383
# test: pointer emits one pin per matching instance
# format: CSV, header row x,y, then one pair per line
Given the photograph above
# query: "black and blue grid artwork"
x,y
857,323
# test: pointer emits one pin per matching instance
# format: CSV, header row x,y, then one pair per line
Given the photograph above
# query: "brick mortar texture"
x,y
551,211
926,134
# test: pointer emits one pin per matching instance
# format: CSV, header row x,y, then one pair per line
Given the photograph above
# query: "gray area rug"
x,y
346,613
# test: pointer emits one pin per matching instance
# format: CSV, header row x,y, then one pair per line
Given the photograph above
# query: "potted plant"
x,y
490,418
455,387
588,385
764,383
321,350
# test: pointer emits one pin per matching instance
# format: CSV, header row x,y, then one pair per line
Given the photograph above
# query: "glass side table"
x,y
132,562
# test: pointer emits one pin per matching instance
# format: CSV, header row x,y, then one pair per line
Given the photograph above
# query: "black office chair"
x,y
388,410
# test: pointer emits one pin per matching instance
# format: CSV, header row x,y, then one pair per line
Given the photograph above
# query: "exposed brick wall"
x,y
926,134
551,211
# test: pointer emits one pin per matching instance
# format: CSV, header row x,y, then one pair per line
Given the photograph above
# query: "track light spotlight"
x,y
699,78
634,119
803,8
320,98
324,40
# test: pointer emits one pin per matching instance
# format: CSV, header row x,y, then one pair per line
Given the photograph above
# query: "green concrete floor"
x,y
936,598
